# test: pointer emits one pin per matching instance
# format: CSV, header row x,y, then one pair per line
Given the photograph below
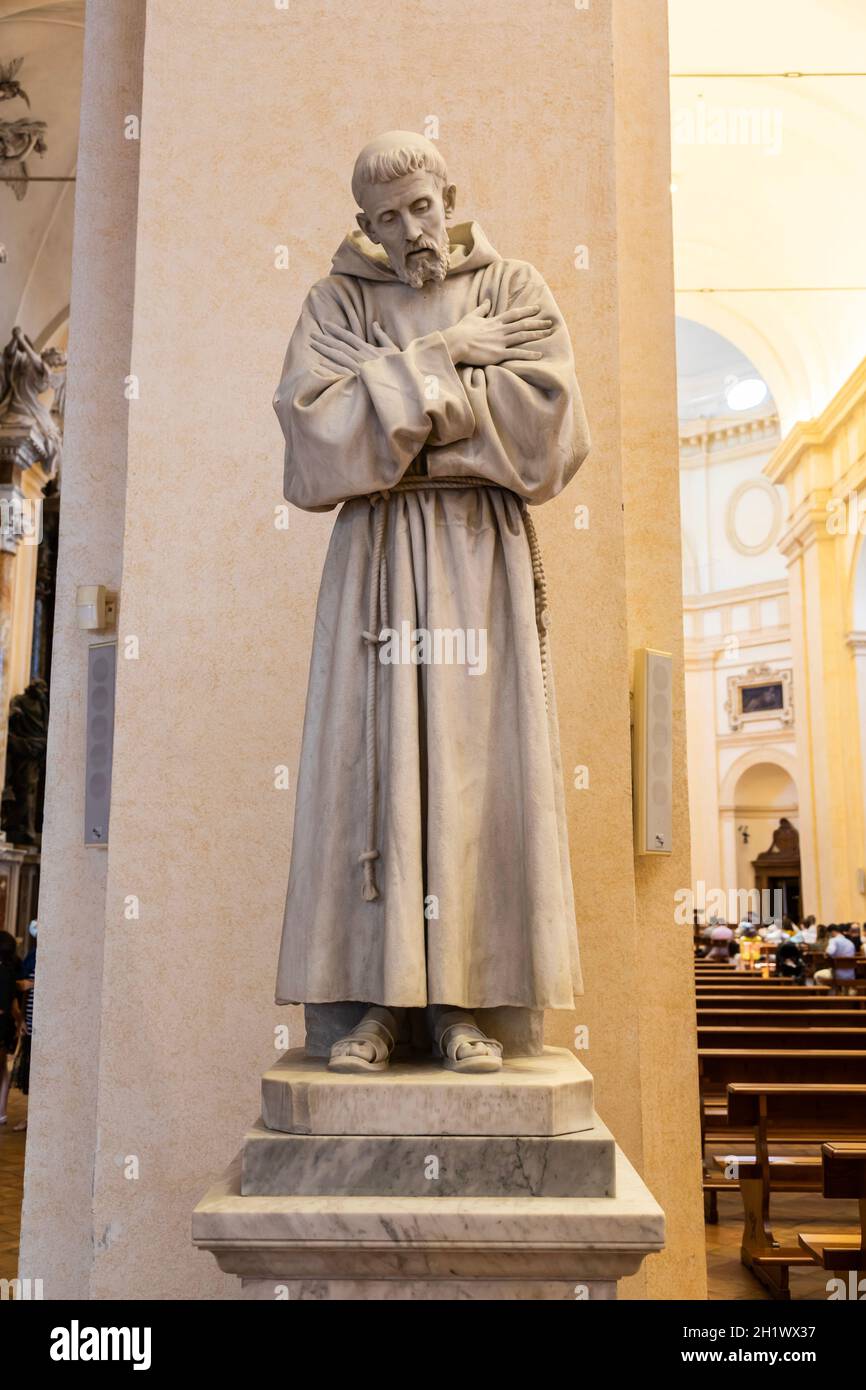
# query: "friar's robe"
x,y
475,905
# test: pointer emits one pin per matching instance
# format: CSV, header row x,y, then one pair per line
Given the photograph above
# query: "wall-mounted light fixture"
x,y
96,606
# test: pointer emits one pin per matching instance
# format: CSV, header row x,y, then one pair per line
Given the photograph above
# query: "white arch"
x,y
777,757
787,378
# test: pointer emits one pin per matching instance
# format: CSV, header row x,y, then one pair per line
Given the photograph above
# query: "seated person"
x,y
747,953
839,945
720,938
789,960
774,933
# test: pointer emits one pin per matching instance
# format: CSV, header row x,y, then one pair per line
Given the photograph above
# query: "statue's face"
x,y
406,217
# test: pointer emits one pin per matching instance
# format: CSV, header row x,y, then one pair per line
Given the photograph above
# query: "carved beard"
x,y
434,269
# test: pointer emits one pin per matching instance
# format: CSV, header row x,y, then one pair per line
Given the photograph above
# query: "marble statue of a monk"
x,y
429,392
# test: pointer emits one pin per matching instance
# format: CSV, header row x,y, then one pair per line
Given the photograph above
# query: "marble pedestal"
x,y
428,1184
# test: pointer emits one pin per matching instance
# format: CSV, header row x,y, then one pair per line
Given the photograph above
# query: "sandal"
x,y
457,1029
372,1034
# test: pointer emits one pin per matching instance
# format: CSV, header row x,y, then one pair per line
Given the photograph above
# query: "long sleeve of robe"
x,y
475,904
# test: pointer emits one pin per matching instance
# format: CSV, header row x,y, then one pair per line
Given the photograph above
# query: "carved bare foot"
x,y
461,1044
369,1046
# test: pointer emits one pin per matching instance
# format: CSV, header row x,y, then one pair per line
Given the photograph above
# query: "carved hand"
x,y
343,351
480,341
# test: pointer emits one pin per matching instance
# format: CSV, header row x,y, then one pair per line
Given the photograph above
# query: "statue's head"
x,y
401,183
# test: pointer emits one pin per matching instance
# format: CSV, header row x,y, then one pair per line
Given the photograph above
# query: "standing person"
x,y
27,987
9,965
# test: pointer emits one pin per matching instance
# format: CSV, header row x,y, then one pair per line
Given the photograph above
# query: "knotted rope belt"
x,y
377,621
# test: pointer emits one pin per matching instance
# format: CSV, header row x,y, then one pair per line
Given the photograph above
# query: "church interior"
x,y
691,190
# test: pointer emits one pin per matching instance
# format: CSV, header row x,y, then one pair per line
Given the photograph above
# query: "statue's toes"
x,y
353,1047
472,1049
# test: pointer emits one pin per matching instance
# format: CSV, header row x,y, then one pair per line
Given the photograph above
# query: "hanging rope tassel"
x,y
542,611
377,619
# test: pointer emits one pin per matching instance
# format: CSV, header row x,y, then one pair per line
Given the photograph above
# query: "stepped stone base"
x,y
420,1183
339,1248
428,1165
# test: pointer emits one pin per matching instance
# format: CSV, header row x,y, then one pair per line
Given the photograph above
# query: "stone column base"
x,y
445,1290
425,1183
333,1248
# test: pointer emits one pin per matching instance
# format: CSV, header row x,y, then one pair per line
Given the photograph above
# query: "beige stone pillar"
x,y
654,616
57,1239
218,601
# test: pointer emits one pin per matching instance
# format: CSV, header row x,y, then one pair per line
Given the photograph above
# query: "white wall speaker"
x,y
101,665
652,752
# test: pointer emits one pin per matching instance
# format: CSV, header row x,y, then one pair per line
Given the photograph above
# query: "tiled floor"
x,y
11,1184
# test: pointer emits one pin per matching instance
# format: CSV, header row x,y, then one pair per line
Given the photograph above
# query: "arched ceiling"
x,y
707,364
37,232
769,197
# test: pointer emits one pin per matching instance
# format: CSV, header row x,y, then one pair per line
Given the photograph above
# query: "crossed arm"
x,y
476,340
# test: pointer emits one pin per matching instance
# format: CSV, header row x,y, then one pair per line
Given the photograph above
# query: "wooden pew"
x,y
749,979
763,988
752,1015
808,999
842,966
780,1115
763,998
719,1068
843,1176
704,965
761,1037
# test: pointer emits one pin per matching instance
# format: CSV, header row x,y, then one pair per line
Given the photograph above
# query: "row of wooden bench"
x,y
782,1067
839,966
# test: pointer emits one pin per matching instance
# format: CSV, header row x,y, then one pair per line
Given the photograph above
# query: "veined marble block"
x,y
429,1165
419,1183
334,1248
431,1290
545,1095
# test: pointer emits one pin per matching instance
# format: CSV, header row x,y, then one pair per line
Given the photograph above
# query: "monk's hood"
x,y
357,255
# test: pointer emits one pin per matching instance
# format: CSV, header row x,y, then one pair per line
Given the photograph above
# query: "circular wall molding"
x,y
771,503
